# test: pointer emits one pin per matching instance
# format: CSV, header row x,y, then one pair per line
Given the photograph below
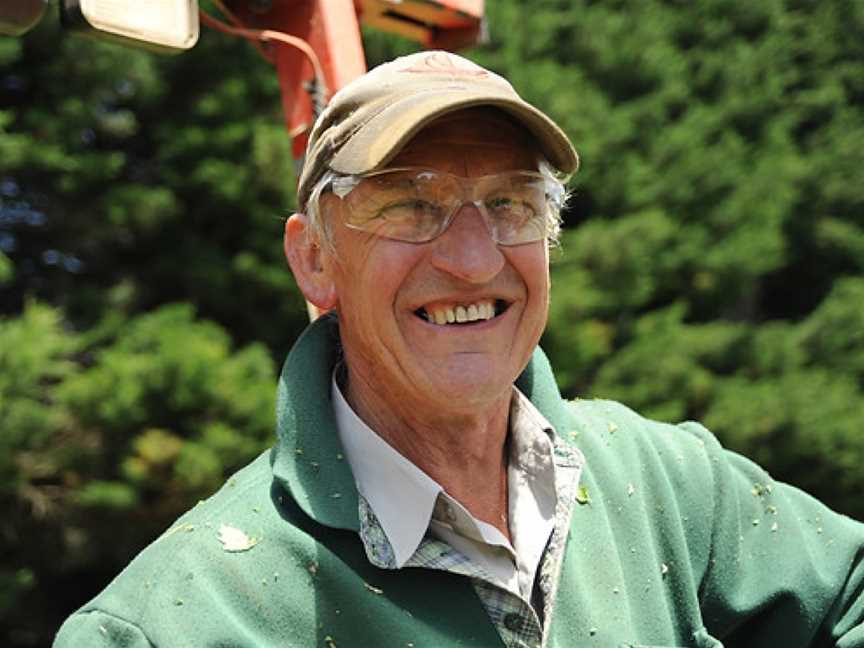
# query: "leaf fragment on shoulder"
x,y
235,540
373,589
582,495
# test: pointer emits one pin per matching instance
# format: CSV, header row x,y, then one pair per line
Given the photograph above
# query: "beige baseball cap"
x,y
368,121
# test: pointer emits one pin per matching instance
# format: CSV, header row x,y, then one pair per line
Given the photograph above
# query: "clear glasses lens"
x,y
417,205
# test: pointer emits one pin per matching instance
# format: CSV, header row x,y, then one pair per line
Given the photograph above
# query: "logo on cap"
x,y
441,63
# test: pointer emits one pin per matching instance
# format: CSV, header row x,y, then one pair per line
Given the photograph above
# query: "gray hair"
x,y
320,229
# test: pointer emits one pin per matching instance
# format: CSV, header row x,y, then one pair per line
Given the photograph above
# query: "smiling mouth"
x,y
470,313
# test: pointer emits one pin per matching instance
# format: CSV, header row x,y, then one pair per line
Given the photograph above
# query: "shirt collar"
x,y
404,513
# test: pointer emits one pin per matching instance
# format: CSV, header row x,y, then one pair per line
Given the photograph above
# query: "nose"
x,y
466,249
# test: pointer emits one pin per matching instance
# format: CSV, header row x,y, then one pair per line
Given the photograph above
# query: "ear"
x,y
306,259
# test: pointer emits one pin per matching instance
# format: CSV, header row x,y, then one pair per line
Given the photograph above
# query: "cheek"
x,y
531,263
370,275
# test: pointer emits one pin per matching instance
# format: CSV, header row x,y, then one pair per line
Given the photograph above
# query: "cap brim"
x,y
377,141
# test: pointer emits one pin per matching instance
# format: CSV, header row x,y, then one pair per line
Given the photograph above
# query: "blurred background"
x,y
712,265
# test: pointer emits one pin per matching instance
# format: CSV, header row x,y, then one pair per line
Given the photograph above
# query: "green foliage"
x,y
7,271
34,358
167,173
177,390
12,583
148,416
833,336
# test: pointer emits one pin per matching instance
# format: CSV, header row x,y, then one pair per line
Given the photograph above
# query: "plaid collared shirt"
x,y
514,617
519,620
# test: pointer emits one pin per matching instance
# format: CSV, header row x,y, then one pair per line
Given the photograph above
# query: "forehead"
x,y
484,139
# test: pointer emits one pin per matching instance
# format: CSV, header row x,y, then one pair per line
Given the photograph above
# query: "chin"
x,y
466,386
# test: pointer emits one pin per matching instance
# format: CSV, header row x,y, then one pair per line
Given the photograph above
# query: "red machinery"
x,y
331,28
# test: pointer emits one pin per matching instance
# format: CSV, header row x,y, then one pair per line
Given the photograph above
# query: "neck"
x,y
465,452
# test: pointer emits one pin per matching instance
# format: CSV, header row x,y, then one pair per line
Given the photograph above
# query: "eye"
x,y
414,210
499,203
511,208
408,220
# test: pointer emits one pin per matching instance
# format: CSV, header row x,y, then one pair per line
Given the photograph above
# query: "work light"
x,y
170,25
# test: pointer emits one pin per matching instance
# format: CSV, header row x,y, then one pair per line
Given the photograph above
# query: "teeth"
x,y
483,310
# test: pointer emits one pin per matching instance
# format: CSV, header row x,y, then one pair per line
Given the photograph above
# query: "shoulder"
x,y
648,480
208,576
611,433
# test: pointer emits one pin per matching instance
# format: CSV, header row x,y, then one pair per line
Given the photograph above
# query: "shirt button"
x,y
513,622
449,512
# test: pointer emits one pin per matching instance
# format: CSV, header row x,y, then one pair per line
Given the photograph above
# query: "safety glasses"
x,y
417,205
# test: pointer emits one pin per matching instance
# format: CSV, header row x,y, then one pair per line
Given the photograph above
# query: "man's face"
x,y
384,287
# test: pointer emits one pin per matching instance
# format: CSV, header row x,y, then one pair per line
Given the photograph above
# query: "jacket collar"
x,y
308,459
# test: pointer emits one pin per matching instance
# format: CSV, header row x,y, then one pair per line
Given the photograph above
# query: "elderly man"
x,y
429,486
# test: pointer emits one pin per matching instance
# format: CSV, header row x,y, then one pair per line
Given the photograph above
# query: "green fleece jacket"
x,y
679,543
